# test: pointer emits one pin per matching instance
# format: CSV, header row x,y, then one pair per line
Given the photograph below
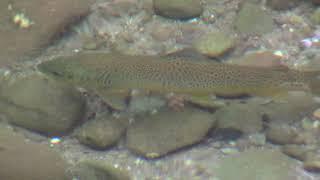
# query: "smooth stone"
x,y
214,44
23,159
312,162
289,109
316,113
47,23
178,9
262,164
266,59
296,151
253,20
167,131
281,134
239,117
282,4
41,104
98,170
102,132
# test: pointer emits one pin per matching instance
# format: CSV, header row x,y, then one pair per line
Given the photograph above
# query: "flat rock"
x,y
167,131
102,132
45,21
253,20
243,118
41,104
262,164
178,9
22,159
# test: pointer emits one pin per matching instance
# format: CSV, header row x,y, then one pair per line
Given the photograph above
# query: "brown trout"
x,y
113,72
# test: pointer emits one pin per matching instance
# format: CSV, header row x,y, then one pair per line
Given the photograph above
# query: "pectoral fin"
x,y
116,99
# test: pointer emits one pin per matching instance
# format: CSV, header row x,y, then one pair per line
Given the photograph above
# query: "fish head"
x,y
61,68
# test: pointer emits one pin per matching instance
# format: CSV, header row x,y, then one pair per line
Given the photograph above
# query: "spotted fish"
x,y
116,72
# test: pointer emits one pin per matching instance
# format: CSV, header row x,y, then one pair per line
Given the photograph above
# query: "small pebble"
x,y
316,113
312,165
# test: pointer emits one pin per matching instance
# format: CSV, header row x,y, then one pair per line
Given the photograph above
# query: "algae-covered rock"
x,y
214,44
178,9
101,132
239,117
23,159
254,164
97,170
156,135
41,104
253,20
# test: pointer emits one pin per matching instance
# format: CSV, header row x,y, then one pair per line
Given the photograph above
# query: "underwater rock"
x,y
101,132
41,104
315,17
289,109
316,2
282,134
145,104
253,20
22,159
312,162
214,44
265,59
98,170
262,164
282,4
27,27
178,9
167,131
243,118
316,113
296,151
118,8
